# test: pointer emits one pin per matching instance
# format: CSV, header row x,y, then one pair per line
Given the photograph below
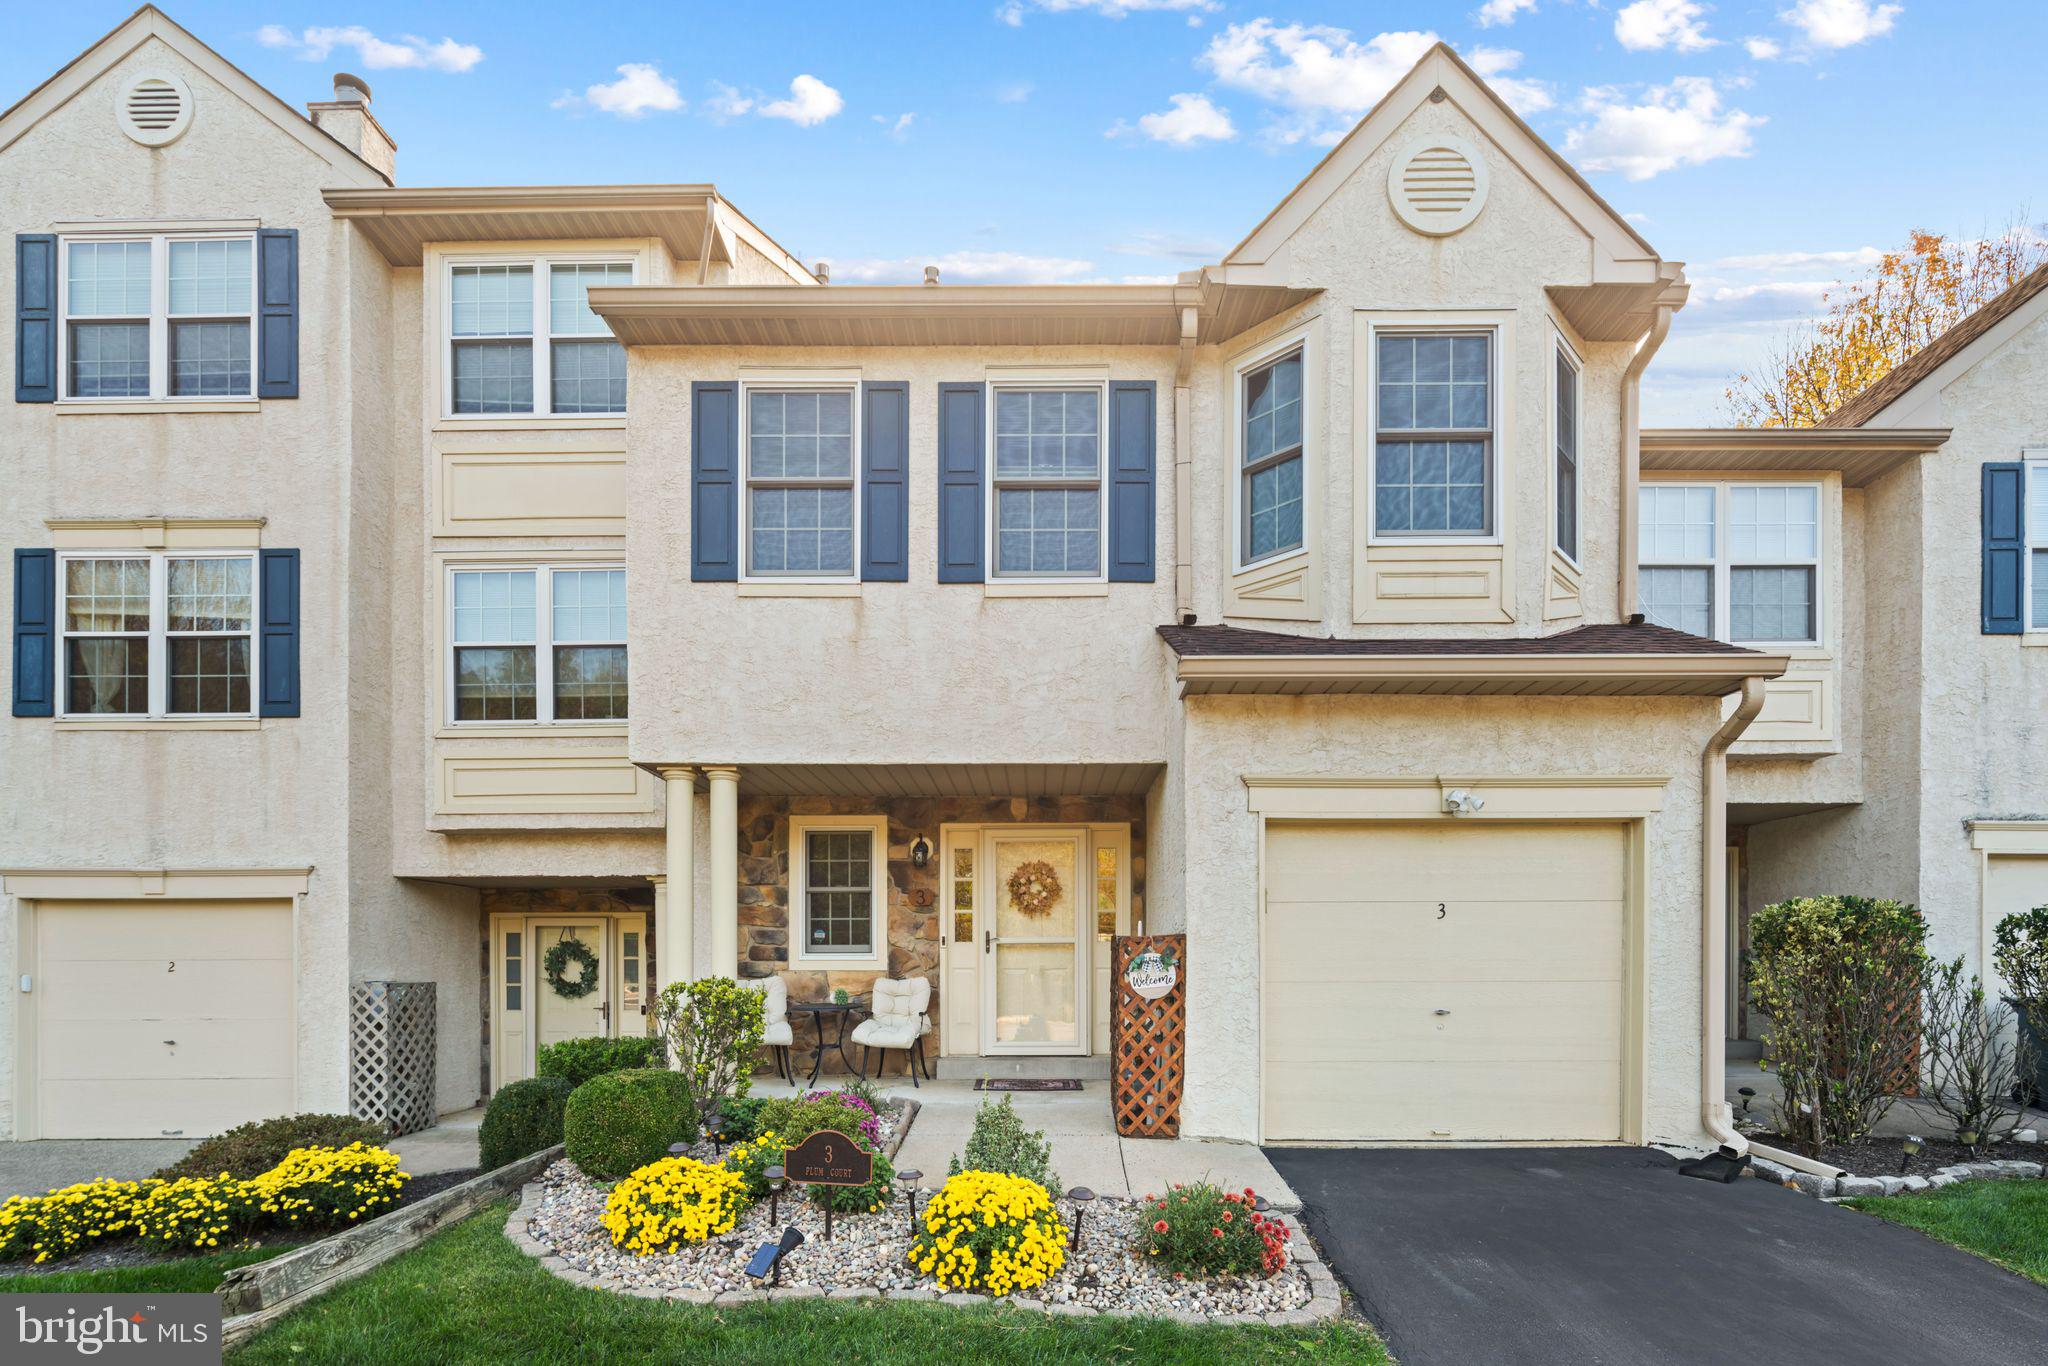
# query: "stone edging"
x,y
1324,1300
1846,1187
906,1111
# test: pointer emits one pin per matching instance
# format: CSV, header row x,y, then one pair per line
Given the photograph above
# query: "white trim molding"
x,y
876,959
146,884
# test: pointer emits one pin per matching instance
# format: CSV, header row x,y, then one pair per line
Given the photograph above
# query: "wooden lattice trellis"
x,y
391,1054
1147,1044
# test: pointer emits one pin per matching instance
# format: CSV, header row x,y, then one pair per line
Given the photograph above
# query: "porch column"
x,y
725,870
677,947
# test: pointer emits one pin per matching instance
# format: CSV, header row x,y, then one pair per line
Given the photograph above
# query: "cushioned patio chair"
x,y
897,1020
776,1035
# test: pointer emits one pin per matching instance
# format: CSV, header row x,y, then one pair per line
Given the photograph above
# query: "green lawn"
x,y
468,1295
2001,1221
194,1274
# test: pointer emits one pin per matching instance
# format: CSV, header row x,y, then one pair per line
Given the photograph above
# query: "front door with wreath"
x,y
572,999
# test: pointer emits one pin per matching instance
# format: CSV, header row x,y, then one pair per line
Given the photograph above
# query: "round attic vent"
x,y
155,108
1437,184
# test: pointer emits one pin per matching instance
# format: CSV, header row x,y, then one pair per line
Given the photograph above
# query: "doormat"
x,y
1026,1084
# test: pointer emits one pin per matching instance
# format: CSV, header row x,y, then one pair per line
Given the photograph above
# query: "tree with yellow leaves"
x,y
1877,324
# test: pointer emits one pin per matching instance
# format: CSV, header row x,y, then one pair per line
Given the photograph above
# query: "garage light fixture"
x,y
1463,802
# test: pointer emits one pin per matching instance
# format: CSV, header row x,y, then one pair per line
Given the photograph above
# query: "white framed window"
x,y
2037,540
1272,402
522,341
801,448
1564,445
1434,426
1738,562
1045,481
158,316
839,887
536,643
158,635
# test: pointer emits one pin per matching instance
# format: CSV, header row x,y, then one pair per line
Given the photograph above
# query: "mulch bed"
x,y
129,1252
1880,1156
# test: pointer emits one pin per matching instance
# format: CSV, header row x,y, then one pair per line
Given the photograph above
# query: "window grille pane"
x,y
2037,500
106,595
211,278
209,360
1048,434
1272,409
494,605
107,280
569,301
1430,486
1773,523
1567,422
1770,603
589,377
1677,522
800,434
493,377
494,684
1048,531
590,604
2040,617
491,301
209,595
109,360
802,531
1275,509
107,676
590,683
1682,599
209,675
838,890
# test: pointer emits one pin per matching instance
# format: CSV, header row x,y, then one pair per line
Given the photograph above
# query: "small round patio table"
x,y
820,1011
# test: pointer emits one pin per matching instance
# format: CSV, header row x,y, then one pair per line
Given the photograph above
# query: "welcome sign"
x,y
1153,973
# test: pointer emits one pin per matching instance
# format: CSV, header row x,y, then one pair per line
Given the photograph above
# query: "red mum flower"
x,y
1159,1227
1228,1216
1217,1231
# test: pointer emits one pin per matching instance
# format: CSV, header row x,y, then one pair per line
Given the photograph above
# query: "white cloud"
x,y
1192,119
639,89
1680,124
1526,96
810,103
1840,23
1648,25
973,267
1495,12
726,102
1015,92
1762,49
1171,246
374,53
1012,12
1322,74
1859,257
897,128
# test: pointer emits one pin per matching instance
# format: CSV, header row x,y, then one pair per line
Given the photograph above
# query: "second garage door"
x,y
158,1019
1444,982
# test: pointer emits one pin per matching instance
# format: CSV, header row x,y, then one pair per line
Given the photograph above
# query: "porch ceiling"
x,y
947,780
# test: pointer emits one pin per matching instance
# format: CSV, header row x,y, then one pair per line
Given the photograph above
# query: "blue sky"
x,y
1772,146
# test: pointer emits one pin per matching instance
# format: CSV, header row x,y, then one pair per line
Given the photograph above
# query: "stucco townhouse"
x,y
408,580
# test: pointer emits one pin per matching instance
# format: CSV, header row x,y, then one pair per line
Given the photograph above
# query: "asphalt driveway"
x,y
1607,1255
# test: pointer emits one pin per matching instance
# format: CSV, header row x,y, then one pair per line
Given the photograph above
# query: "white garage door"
x,y
1444,982
161,1018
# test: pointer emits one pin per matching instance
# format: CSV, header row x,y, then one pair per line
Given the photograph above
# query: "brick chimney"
x,y
347,118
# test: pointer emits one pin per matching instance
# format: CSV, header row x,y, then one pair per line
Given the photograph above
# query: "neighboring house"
x,y
1285,607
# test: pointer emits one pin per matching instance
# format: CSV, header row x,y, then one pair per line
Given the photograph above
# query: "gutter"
x,y
1184,470
1632,455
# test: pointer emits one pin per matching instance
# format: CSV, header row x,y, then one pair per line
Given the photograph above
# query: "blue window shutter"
x,y
885,482
35,632
2005,547
1132,429
280,592
961,445
277,307
714,481
35,325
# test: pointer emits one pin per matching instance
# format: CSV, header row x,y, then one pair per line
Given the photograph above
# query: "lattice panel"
x,y
1148,1042
391,1054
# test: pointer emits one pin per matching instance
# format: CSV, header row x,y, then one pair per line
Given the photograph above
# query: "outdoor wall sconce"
x,y
1080,1195
910,1176
920,852
1461,801
767,1259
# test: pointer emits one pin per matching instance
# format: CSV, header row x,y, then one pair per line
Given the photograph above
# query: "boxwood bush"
x,y
523,1117
249,1150
578,1060
622,1121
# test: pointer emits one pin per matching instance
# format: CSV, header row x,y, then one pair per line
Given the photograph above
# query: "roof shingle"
x,y
1877,397
1217,640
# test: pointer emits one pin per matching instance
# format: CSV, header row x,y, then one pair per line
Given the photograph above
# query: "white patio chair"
x,y
776,1035
897,1020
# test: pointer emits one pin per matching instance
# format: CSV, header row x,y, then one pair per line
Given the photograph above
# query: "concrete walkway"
x,y
1086,1150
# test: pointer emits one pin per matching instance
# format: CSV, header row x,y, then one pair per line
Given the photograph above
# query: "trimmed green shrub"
x,y
1840,978
249,1150
578,1060
871,1198
739,1118
2020,949
523,1117
1001,1143
794,1119
621,1121
713,1027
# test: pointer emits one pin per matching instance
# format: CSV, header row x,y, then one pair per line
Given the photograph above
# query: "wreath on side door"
x,y
1035,888
555,965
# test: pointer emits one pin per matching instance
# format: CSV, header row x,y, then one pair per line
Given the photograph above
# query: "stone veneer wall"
x,y
913,929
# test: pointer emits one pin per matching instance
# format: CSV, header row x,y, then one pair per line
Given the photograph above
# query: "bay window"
x,y
160,316
1271,452
1564,440
1433,436
537,643
499,364
1047,476
158,635
1732,561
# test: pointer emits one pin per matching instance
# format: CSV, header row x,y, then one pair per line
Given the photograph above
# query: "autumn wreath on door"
x,y
1035,888
555,966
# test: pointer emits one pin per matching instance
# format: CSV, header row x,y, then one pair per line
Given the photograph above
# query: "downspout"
x,y
1632,453
1714,1116
1184,469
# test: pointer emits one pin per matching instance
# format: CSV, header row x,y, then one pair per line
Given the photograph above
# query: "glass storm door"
x,y
558,1017
1035,945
